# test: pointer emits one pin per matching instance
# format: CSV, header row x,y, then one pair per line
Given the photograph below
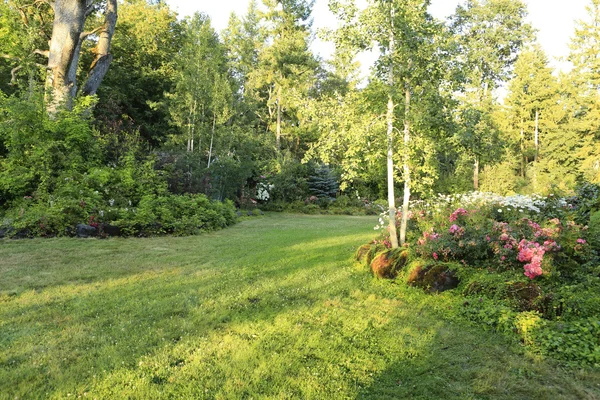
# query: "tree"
x,y
201,98
25,28
66,42
489,35
147,41
532,104
286,67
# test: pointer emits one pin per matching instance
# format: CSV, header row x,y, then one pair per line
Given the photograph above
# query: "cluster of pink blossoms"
x,y
427,236
456,230
533,254
459,211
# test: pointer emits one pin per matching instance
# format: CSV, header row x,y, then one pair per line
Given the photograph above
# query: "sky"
x,y
554,20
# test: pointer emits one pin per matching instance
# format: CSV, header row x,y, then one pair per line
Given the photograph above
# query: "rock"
x,y
3,232
238,213
435,278
388,263
250,214
527,296
84,231
363,253
110,230
22,234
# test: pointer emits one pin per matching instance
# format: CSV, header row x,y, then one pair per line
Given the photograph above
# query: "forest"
x,y
155,106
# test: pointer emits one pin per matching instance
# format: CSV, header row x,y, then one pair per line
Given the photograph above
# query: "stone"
x,y
84,231
388,263
110,230
434,278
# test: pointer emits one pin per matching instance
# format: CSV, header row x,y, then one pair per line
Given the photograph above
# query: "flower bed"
x,y
524,255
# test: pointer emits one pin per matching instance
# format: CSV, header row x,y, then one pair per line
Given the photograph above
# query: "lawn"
x,y
273,307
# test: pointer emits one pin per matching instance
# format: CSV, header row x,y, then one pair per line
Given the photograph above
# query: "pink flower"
x,y
502,258
454,228
435,256
457,213
488,238
532,254
581,241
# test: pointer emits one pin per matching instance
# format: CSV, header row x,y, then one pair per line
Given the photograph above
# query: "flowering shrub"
x,y
502,233
528,265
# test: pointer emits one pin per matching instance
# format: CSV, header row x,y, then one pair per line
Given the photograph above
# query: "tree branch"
x,y
103,57
84,35
44,53
13,74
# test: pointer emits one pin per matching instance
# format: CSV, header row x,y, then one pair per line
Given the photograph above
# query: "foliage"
x,y
323,183
524,266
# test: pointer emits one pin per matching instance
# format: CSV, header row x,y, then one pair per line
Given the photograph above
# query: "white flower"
x,y
499,210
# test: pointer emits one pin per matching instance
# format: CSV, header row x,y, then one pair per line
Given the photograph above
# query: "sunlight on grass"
x,y
271,308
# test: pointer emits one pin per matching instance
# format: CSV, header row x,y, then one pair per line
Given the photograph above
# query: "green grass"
x,y
273,307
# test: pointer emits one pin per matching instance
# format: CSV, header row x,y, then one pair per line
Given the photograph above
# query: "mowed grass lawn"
x,y
273,307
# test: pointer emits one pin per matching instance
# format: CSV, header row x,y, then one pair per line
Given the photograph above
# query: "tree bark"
x,y
278,129
212,135
406,167
103,57
65,48
537,135
65,44
522,146
476,174
390,173
390,143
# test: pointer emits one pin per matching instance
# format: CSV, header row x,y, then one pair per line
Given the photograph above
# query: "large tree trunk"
x,y
390,143
61,85
537,135
406,166
278,129
65,48
390,173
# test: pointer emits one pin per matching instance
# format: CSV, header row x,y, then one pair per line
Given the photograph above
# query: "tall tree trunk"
x,y
212,135
102,54
65,48
536,138
406,168
522,146
63,56
278,130
476,174
390,142
390,172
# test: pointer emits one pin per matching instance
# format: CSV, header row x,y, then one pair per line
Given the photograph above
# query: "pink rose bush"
x,y
473,237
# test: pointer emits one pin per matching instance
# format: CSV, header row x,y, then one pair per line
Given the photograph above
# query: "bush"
x,y
525,267
177,215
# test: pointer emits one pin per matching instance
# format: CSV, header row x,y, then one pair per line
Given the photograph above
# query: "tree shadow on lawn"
x,y
54,340
462,362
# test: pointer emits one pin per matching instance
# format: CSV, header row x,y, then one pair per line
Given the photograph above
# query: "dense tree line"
x,y
228,113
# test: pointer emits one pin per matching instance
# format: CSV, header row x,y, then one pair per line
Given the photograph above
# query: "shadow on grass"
x,y
55,339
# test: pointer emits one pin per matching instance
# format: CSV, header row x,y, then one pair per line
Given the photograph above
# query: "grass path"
x,y
271,308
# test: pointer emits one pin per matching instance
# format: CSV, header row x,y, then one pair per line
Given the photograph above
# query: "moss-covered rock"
x,y
436,277
388,263
367,252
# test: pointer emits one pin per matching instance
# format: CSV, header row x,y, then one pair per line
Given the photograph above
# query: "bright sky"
x,y
554,19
